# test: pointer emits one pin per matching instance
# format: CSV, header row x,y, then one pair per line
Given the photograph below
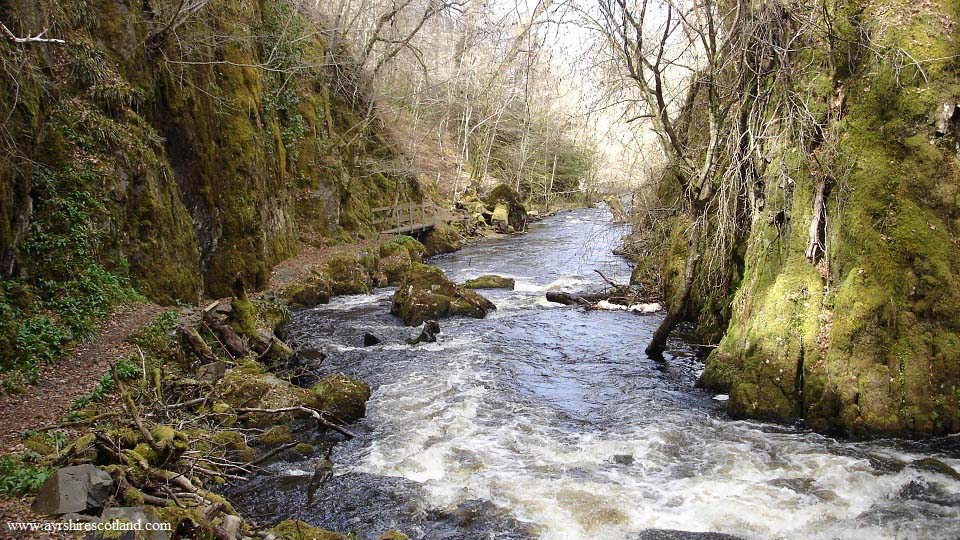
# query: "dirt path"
x,y
48,401
299,268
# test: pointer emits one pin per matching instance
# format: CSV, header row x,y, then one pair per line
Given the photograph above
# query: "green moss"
x,y
426,293
243,317
489,282
276,436
343,397
298,530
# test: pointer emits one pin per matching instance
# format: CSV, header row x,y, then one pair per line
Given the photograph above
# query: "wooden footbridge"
x,y
408,217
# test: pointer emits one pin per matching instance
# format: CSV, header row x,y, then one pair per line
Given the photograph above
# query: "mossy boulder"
x,y
315,291
394,267
347,275
442,239
248,387
402,242
343,397
299,530
427,293
489,281
508,208
243,317
235,444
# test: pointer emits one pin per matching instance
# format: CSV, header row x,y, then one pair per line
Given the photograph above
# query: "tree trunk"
x,y
658,343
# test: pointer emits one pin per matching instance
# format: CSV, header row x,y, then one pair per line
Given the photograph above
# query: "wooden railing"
x,y
407,218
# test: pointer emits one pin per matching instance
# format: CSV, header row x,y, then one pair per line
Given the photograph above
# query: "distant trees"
x,y
470,91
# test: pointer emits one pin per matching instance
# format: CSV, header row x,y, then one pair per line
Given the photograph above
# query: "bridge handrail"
x,y
405,217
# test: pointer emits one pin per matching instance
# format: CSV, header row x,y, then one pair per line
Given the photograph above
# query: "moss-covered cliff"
x,y
169,162
863,334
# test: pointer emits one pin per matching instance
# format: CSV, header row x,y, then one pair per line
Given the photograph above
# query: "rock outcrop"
x,y
489,281
426,293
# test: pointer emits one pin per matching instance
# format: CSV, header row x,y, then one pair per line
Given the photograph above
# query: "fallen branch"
x,y
29,39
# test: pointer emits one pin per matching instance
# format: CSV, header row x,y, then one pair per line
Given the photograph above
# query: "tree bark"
x,y
658,343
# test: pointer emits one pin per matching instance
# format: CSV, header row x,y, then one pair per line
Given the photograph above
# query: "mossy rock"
x,y
394,534
304,449
442,239
234,443
473,205
276,436
426,293
489,281
347,275
243,317
315,291
272,313
299,530
241,388
403,243
343,397
508,208
395,267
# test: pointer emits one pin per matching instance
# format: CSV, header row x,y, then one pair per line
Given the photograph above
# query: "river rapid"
x,y
548,422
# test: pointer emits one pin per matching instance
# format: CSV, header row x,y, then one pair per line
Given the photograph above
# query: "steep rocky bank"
x,y
839,303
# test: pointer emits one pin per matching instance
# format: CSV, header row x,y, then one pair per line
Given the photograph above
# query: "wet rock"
x,y
315,291
428,334
394,535
669,534
343,397
299,530
370,340
442,239
311,354
135,515
623,459
73,489
489,281
347,275
426,293
937,466
403,243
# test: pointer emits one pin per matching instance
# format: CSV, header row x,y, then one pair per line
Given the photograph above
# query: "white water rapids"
x,y
554,416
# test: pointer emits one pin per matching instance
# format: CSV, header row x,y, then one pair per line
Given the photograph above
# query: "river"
x,y
548,422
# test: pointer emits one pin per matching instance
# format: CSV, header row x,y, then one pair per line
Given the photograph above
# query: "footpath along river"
x,y
548,422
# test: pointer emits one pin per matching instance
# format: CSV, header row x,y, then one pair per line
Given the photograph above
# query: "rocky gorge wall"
x,y
862,336
164,154
205,152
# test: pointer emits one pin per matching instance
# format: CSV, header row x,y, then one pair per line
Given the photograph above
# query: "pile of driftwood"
x,y
616,294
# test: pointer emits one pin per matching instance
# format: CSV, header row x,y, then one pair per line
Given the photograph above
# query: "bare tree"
x,y
719,58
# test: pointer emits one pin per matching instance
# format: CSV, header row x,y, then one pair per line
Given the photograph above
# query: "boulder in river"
x,y
370,340
489,281
442,239
73,489
428,334
508,208
343,397
426,293
670,534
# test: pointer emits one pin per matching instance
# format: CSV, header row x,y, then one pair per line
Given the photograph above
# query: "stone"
x,y
937,466
135,515
426,293
489,281
73,489
394,534
623,459
213,371
370,340
299,530
344,398
508,210
428,334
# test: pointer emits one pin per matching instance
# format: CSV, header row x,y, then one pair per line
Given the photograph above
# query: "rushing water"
x,y
544,421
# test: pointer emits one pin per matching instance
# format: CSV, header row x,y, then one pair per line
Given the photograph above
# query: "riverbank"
x,y
168,350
